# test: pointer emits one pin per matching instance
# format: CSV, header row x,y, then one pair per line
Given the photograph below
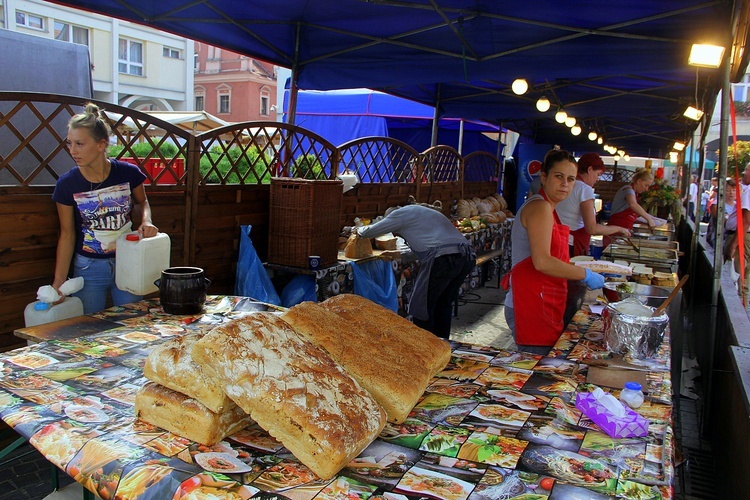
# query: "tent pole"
x,y
706,427
461,136
436,118
292,111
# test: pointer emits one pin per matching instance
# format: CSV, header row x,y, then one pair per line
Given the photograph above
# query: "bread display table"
x,y
494,424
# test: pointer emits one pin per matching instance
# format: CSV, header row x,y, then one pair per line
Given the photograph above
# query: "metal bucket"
x,y
638,335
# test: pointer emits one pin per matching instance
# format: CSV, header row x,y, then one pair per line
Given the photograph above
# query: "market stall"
x,y
492,424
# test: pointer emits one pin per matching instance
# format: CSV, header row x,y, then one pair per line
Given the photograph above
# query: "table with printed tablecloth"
x,y
493,425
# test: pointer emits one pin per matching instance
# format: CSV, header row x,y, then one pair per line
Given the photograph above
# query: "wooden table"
x,y
493,423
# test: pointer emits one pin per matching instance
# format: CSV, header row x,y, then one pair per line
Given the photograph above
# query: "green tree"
x,y
143,149
224,160
742,158
308,166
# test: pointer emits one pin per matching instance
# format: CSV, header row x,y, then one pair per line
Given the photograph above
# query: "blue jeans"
x,y
98,278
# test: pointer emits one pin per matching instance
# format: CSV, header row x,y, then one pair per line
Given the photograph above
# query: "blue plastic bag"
x,y
301,288
252,278
374,280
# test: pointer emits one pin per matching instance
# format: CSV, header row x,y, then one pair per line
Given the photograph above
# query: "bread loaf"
x,y
357,247
603,266
293,389
186,417
386,242
171,365
414,349
381,363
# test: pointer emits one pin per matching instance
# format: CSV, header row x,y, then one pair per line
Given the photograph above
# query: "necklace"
x,y
93,187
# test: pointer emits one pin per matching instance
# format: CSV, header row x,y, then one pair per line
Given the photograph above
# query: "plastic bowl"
x,y
650,295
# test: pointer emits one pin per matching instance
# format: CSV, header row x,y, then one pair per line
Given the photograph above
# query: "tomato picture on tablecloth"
x,y
502,483
570,467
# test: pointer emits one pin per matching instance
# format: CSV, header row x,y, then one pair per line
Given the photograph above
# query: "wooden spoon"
x,y
672,295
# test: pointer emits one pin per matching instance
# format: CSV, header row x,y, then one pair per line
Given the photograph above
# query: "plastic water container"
x,y
38,313
139,262
596,247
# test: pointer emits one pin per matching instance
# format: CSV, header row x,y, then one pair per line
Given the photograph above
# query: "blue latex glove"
x,y
593,280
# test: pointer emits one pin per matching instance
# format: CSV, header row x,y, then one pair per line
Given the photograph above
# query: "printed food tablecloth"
x,y
493,425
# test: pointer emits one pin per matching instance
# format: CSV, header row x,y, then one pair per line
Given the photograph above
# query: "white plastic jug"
x,y
38,313
139,262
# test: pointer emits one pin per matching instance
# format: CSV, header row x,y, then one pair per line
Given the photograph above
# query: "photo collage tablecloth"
x,y
493,425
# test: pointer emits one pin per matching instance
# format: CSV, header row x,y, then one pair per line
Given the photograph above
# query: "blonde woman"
x,y
625,207
95,204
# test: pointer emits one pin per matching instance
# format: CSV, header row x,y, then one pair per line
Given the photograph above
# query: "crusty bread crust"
x,y
171,365
293,389
186,417
381,361
409,346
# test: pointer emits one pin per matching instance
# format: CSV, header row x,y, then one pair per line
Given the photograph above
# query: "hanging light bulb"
x,y
543,104
626,157
600,140
519,86
561,116
592,136
575,130
570,121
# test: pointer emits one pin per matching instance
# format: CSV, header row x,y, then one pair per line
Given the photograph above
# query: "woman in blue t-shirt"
x,y
96,201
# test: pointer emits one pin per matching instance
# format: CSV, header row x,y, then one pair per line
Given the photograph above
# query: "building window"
x,y
171,53
264,105
199,106
29,20
224,103
130,57
196,62
70,33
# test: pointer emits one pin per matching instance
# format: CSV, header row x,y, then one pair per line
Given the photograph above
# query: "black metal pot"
x,y
182,290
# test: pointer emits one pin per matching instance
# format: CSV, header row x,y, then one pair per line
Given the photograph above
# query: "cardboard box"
x,y
629,425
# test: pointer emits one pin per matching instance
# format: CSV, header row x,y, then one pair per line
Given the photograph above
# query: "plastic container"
x,y
38,313
139,262
632,395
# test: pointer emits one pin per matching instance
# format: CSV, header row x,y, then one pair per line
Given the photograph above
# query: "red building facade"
x,y
233,87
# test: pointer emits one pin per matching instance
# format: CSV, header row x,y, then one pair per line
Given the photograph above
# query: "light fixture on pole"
x,y
673,156
693,113
519,86
570,121
592,136
621,152
543,104
561,116
617,157
679,146
706,55
626,157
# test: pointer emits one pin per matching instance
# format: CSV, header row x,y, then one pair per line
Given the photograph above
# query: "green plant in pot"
x,y
662,200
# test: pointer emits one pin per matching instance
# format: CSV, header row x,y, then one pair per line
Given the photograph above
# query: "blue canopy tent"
x,y
344,115
620,67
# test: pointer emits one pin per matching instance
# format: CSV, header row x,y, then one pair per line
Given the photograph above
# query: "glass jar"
x,y
632,395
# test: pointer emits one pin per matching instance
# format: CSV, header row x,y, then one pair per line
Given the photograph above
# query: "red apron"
x,y
625,219
539,299
581,241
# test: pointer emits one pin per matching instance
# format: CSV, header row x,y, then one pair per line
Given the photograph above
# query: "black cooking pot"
x,y
182,290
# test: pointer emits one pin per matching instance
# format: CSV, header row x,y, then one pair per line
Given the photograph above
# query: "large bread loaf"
x,y
186,417
380,361
293,389
408,347
171,365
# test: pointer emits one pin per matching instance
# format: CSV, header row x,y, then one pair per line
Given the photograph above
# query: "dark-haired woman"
x,y
625,207
537,282
95,205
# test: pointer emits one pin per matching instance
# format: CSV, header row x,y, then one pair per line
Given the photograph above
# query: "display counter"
x,y
493,424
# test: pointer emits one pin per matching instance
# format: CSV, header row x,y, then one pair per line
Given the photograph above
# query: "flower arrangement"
x,y
662,199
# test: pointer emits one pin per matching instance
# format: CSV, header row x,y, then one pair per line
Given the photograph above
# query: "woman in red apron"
x,y
625,207
577,210
536,300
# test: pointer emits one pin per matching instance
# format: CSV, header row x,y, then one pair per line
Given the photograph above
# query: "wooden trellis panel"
x,y
379,159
